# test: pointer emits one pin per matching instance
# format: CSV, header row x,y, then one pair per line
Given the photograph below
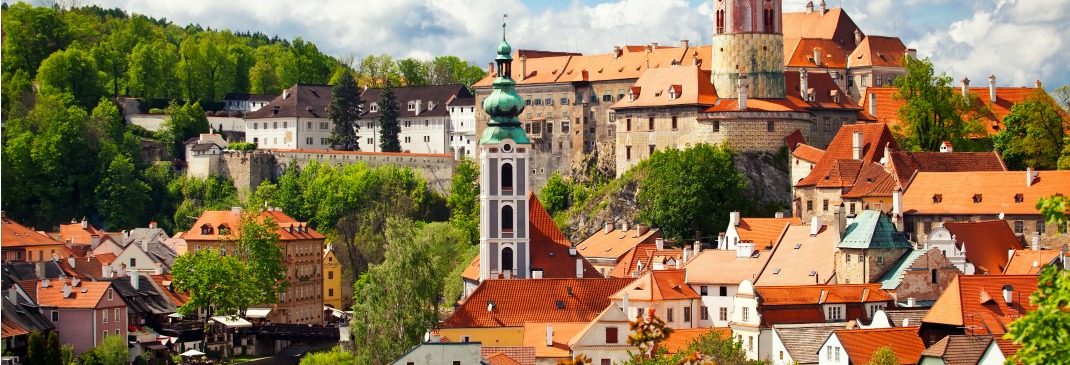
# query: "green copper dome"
x,y
503,104
504,49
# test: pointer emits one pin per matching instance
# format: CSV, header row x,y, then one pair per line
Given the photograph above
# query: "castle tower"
x,y
748,39
503,180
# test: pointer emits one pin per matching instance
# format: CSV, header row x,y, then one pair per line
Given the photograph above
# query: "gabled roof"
x,y
875,137
824,91
549,247
13,234
516,301
912,316
904,163
808,153
894,275
998,192
959,349
832,24
878,51
164,283
723,267
298,101
800,53
627,263
764,232
872,230
976,302
499,358
19,271
801,340
821,294
22,318
86,295
524,355
658,285
612,314
144,300
765,105
615,243
800,259
681,338
1029,262
986,243
232,221
842,174
670,86
861,344
74,233
872,181
439,94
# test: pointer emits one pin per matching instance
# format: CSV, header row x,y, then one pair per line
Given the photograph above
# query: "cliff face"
x,y
769,188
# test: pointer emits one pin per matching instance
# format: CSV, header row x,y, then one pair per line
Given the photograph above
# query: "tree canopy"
x,y
933,112
1034,134
389,126
344,110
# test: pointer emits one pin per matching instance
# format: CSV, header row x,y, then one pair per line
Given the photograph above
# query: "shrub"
x,y
156,111
241,146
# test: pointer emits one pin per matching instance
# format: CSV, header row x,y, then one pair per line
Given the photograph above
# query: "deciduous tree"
x,y
336,355
213,282
884,356
257,245
71,71
1033,134
933,112
463,200
122,196
389,126
344,110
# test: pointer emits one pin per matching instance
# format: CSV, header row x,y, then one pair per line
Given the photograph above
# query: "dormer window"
x,y
937,198
633,93
976,198
375,107
674,92
1018,198
412,106
206,229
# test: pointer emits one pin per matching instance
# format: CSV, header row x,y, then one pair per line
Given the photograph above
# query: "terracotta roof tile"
x,y
472,271
812,262
499,358
681,338
615,243
300,100
961,303
764,232
14,234
164,283
808,153
802,52
987,243
999,192
723,267
842,174
94,291
691,85
834,24
1029,262
9,328
74,233
861,344
904,163
658,285
875,137
888,106
912,316
768,105
550,248
231,220
794,140
535,336
872,181
524,355
878,51
821,294
959,349
534,300
628,262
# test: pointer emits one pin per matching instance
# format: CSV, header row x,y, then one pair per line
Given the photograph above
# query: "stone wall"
x,y
247,168
758,55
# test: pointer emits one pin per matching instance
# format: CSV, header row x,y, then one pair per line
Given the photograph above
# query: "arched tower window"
x,y
507,218
720,21
507,177
507,258
768,20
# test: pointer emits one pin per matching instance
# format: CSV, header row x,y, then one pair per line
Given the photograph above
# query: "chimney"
x,y
660,243
13,295
66,291
235,210
1008,294
722,243
838,222
85,223
490,68
912,53
809,7
39,269
624,304
815,225
857,144
873,104
966,87
616,52
654,46
817,56
887,159
71,261
684,43
687,254
1035,244
105,270
549,336
744,249
911,302
579,267
158,270
643,228
134,279
733,219
1038,84
992,88
624,227
1029,176
823,9
804,84
152,225
523,67
858,37
741,85
609,227
778,215
897,208
45,283
286,94
694,59
698,248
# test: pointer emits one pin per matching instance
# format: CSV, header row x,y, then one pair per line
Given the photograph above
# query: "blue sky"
x,y
1017,40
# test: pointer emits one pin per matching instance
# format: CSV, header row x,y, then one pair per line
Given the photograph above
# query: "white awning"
x,y
232,322
257,312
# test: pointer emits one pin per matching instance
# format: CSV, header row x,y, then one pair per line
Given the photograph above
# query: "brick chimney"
x,y
1038,84
992,88
1029,176
523,67
913,53
609,227
966,87
490,68
616,52
823,8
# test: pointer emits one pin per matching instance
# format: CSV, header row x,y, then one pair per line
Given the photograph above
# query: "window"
x,y
828,124
611,334
781,355
564,126
308,140
687,314
834,313
878,80
1040,227
628,154
109,290
880,260
537,102
723,313
934,276
408,139
724,291
703,290
825,205
412,106
716,126
607,362
704,313
105,333
639,313
828,352
650,123
836,351
668,315
369,141
746,314
133,262
1019,227
768,20
323,125
651,150
274,125
720,21
55,316
507,176
620,94
628,124
848,258
330,275
674,124
750,343
285,125
104,313
769,126
255,125
564,98
309,126
456,363
549,127
863,80
507,257
608,96
809,205
1062,228
427,139
507,218
116,316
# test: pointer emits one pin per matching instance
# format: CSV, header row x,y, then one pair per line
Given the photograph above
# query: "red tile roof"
x,y
550,248
658,285
764,232
876,137
300,100
904,163
821,294
231,220
74,233
615,243
525,355
535,336
987,243
842,174
13,234
499,358
833,24
878,51
976,302
861,344
724,267
10,328
472,271
691,85
808,153
959,349
800,53
873,181
86,295
534,300
802,259
681,338
888,106
1029,262
628,262
794,140
164,283
998,189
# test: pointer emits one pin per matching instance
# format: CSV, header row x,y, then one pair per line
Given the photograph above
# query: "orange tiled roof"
x,y
800,53
833,24
723,267
1029,262
534,300
615,243
842,174
764,232
231,220
976,302
14,234
808,153
789,265
662,257
535,336
657,285
549,247
691,85
987,243
873,181
876,137
681,338
824,91
631,259
164,283
107,258
821,294
472,271
878,51
904,163
10,328
959,349
499,358
74,233
524,355
535,67
861,344
999,192
888,106
768,105
86,295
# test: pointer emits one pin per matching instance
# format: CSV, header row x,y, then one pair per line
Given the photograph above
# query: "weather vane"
x,y
503,24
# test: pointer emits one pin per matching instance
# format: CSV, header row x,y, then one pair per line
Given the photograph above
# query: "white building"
x,y
423,113
462,126
246,103
297,119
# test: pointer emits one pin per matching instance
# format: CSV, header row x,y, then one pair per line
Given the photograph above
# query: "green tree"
x,y
112,62
413,72
55,351
336,355
722,351
71,71
1062,96
18,95
36,349
212,281
690,190
647,332
463,200
263,80
1064,158
344,110
378,70
884,356
257,245
31,34
932,111
111,351
555,194
185,122
152,69
389,126
1033,134
452,70
122,195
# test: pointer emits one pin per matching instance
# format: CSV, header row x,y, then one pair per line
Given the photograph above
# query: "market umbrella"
x,y
192,352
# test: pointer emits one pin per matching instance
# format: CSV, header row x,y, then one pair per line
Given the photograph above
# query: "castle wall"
x,y
758,55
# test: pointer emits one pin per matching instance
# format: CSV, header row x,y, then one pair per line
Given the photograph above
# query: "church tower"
x,y
748,40
503,180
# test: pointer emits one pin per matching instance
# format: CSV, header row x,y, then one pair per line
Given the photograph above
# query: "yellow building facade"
x,y
332,279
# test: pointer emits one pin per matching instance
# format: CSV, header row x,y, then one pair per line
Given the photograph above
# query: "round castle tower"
x,y
748,40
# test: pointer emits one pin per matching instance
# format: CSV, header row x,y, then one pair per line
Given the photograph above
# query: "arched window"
x,y
507,218
720,21
507,258
507,176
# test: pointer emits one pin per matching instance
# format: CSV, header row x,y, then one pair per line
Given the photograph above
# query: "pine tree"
x,y
388,120
344,111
